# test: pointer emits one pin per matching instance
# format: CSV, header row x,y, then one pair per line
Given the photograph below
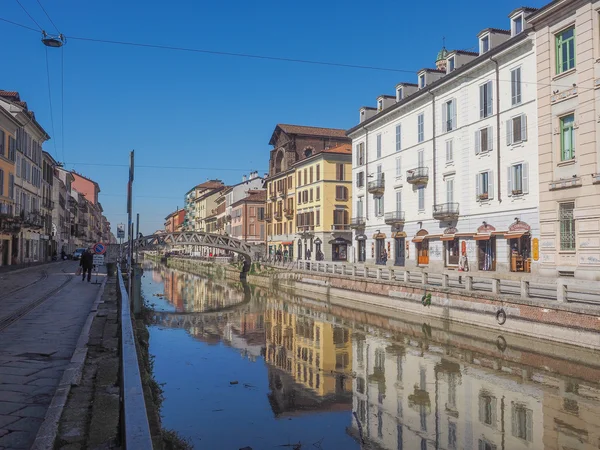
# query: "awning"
x,y
361,237
379,236
483,237
418,239
515,234
447,237
399,234
339,240
287,243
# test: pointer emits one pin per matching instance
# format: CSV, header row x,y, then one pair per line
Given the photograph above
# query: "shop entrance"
x,y
362,248
422,246
452,252
400,249
486,253
519,244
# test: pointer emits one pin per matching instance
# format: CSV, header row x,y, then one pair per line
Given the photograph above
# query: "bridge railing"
x,y
135,428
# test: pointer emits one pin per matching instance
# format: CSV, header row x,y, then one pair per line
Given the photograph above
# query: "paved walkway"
x,y
42,313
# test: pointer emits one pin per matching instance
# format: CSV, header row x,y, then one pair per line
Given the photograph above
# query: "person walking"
x,y
86,263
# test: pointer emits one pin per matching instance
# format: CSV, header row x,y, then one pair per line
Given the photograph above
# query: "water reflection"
x,y
398,384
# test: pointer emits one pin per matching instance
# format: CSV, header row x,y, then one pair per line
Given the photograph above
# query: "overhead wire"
x,y
18,24
50,100
48,16
62,100
159,167
30,16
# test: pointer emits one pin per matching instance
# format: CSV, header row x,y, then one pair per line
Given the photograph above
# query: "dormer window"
x,y
451,64
484,44
517,25
379,105
421,81
399,94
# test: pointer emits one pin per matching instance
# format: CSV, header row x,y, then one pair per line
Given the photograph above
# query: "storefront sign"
x,y
536,249
450,230
372,250
407,250
463,247
487,228
519,226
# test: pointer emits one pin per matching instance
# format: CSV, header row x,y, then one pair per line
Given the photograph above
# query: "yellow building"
x,y
297,149
8,225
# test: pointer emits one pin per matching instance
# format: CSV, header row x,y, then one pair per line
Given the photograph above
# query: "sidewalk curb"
x,y
48,431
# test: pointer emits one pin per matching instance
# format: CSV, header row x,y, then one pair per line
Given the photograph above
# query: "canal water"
x,y
245,366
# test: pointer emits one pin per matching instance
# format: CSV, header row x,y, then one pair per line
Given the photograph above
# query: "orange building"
x,y
174,221
8,225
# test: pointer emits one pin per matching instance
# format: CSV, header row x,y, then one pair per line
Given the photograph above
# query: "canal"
x,y
246,366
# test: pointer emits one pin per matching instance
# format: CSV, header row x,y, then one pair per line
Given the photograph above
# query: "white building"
x,y
239,191
449,165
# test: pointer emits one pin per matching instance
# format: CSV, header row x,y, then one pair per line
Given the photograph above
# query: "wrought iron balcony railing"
x,y
443,211
358,222
418,175
394,218
377,186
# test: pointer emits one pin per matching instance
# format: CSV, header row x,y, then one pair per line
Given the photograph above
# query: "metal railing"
x,y
377,185
136,430
394,217
357,222
417,175
445,210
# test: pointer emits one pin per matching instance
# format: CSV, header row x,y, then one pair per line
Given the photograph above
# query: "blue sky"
x,y
183,109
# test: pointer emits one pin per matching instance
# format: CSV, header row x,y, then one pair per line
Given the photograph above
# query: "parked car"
x,y
77,253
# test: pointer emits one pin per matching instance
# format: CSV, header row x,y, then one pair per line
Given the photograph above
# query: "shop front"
x,y
288,251
422,247
451,247
339,249
486,247
361,240
519,243
380,253
399,248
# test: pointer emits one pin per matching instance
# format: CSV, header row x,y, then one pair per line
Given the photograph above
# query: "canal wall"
x,y
574,324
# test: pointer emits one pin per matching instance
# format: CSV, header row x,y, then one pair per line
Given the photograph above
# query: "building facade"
x,y
291,145
9,224
248,217
448,167
237,192
174,221
568,76
48,240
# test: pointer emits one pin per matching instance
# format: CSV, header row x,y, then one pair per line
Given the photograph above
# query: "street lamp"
x,y
53,41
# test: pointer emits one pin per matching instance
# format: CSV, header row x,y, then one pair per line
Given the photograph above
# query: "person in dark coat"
x,y
87,264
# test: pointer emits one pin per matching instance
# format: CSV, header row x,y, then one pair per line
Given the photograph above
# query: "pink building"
x,y
248,217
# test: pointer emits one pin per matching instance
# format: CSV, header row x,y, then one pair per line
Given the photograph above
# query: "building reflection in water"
x,y
404,389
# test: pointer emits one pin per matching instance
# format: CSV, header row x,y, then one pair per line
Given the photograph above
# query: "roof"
x,y
15,98
368,107
494,30
85,178
255,195
340,149
210,184
456,73
407,84
464,52
442,54
524,9
431,70
547,8
387,96
308,131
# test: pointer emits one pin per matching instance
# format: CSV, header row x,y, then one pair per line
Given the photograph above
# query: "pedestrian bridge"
x,y
193,238
187,320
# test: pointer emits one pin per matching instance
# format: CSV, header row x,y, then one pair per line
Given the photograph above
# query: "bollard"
x,y
524,289
468,283
137,288
495,286
445,280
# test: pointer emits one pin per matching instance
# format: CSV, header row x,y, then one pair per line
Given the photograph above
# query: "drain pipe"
x,y
366,177
434,150
498,166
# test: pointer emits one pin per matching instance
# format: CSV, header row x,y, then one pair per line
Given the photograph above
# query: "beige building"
x,y
568,76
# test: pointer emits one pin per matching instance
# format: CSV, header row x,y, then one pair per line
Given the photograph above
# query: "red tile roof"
x,y
211,184
343,149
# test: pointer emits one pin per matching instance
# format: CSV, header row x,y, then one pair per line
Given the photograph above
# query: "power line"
x,y
34,21
48,16
50,100
161,167
18,24
62,100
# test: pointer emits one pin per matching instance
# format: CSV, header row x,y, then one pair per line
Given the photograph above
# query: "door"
x,y
380,247
362,251
423,252
4,247
400,252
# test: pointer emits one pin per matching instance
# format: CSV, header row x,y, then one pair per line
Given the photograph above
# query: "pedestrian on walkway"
x,y
86,263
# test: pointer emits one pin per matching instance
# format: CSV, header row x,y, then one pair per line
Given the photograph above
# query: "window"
x,y
451,64
421,127
311,195
421,81
567,138
565,50
2,143
450,190
360,179
517,179
11,186
484,140
399,94
311,175
398,137
318,217
398,167
318,194
1,182
451,436
484,185
379,105
398,201
378,203
359,208
522,422
515,86
449,151
487,409
567,226
486,100
339,172
421,197
484,44
517,23
340,217
299,182
516,129
421,158
261,213
299,197
341,193
378,146
449,115
318,170
12,146
360,153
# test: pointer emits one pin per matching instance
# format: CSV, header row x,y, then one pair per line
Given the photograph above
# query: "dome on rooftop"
x,y
442,54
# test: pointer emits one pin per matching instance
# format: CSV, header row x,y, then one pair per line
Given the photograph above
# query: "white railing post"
x,y
561,291
366,272
353,270
392,275
445,280
495,286
406,276
379,270
424,277
524,288
468,283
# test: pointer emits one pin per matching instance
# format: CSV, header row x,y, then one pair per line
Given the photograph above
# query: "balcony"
x,y
289,213
268,217
377,187
304,228
33,219
394,218
273,195
340,227
83,222
277,215
445,211
418,175
48,204
358,222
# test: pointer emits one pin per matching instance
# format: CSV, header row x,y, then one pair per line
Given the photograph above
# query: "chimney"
x,y
244,179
